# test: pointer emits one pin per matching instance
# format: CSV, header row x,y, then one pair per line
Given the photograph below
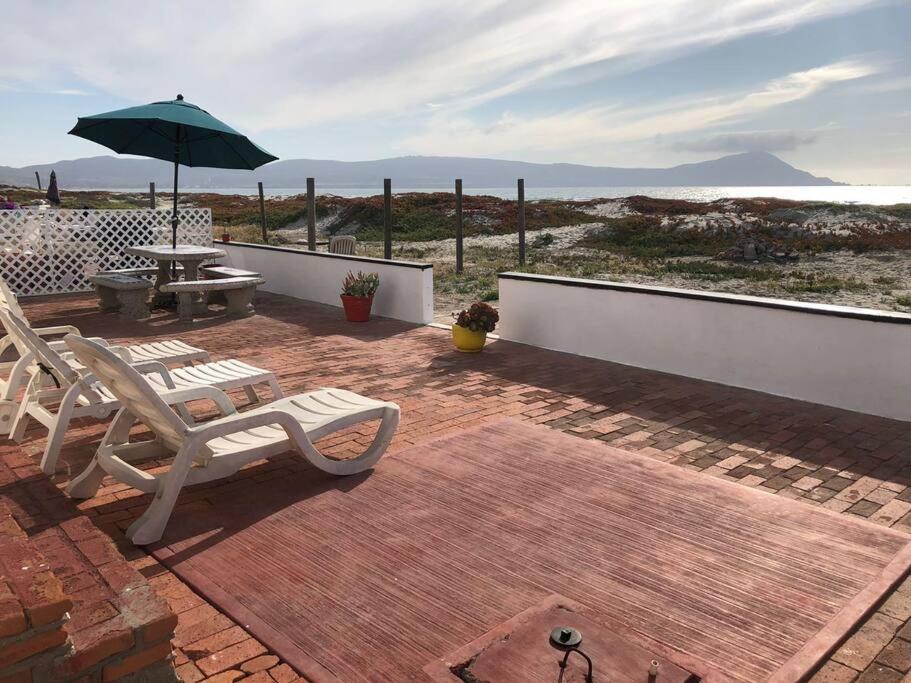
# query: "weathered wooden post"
x,y
387,219
262,213
459,225
521,209
311,214
38,178
152,196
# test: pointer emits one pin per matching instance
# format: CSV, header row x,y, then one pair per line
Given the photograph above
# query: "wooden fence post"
x,y
38,178
521,209
262,213
152,196
387,219
459,224
311,214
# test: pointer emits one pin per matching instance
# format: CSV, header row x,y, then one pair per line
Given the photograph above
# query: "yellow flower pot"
x,y
467,341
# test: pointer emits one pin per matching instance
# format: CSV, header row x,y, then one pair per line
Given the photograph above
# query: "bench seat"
x,y
149,272
238,291
217,271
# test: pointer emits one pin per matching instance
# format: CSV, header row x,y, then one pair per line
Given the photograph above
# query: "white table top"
x,y
183,252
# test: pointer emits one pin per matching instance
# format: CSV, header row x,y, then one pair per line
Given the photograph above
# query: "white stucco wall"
x,y
859,359
406,288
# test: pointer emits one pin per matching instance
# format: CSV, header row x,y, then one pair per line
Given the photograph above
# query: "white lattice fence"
x,y
51,251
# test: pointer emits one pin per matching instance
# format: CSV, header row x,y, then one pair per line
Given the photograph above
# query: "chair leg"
x,y
58,430
365,460
20,423
8,407
251,394
276,390
150,526
86,484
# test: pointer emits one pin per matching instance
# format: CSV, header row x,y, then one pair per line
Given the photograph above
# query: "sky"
x,y
824,84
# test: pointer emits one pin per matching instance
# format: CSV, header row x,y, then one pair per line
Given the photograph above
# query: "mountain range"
x,y
107,172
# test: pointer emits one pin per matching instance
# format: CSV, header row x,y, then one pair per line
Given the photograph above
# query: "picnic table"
x,y
189,256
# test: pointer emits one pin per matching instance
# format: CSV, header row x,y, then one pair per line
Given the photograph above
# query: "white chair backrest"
x,y
342,244
131,389
26,341
8,299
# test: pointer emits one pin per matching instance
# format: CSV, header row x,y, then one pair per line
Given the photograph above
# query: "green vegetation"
x,y
95,199
644,237
651,245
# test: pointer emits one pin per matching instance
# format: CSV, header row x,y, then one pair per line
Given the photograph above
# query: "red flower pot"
x,y
357,308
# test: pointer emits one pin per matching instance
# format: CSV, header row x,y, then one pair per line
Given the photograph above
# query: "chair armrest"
x,y
149,367
217,396
238,422
60,344
121,351
5,343
58,329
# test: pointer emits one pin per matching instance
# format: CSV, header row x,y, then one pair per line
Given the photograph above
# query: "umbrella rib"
x,y
227,141
142,129
159,133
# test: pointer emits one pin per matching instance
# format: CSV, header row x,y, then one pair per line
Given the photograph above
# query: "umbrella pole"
x,y
174,209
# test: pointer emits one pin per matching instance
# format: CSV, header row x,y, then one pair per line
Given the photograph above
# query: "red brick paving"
x,y
846,462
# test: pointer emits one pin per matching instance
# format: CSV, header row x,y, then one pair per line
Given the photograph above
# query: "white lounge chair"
x,y
76,393
172,351
214,449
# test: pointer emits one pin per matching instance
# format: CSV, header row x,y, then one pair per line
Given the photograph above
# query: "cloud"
x,y
769,141
285,65
69,91
586,129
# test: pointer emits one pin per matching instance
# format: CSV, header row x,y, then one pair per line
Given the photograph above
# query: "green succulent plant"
x,y
362,284
479,317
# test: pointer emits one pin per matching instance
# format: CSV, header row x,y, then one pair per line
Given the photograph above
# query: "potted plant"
x,y
226,236
469,331
357,295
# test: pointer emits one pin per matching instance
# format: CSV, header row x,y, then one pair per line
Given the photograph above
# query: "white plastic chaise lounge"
x,y
74,392
171,351
215,449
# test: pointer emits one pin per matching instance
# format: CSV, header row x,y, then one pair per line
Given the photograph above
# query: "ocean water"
x,y
848,194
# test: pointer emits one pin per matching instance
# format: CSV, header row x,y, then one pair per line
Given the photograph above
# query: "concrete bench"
x,y
128,294
216,271
149,272
238,291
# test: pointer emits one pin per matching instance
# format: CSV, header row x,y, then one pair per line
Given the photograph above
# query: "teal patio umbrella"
x,y
174,131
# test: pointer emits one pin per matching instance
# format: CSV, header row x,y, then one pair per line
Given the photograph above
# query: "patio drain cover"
x,y
520,650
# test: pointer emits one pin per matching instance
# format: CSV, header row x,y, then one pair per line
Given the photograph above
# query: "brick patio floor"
x,y
847,462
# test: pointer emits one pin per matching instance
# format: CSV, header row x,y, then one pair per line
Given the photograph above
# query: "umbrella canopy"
x,y
163,130
53,194
174,131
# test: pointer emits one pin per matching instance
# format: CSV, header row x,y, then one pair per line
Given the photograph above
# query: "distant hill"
x,y
750,168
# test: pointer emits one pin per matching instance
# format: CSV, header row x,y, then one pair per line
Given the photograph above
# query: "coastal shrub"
x,y
542,240
712,270
811,283
644,237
